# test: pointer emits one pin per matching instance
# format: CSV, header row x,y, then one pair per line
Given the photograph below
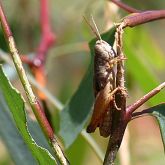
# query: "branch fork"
x,y
121,118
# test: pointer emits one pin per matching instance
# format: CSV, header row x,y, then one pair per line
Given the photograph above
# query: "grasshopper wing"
x,y
101,107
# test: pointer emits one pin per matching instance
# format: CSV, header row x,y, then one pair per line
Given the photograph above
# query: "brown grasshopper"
x,y
104,83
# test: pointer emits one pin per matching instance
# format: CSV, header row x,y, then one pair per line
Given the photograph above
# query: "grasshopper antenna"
x,y
97,31
94,29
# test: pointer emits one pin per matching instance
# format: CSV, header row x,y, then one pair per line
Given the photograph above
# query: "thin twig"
x,y
37,109
143,17
120,65
119,121
146,112
48,38
139,17
125,7
131,108
124,152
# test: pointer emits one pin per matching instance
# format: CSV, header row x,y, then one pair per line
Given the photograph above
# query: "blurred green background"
x,y
68,60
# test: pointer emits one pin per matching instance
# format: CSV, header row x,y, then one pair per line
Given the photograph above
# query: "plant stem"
x,y
143,17
48,38
145,112
125,7
124,152
120,118
37,109
119,126
139,17
131,108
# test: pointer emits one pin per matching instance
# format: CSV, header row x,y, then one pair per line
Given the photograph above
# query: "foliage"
x,y
66,64
16,106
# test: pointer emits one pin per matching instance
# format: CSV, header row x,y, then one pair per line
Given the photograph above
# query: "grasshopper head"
x,y
103,49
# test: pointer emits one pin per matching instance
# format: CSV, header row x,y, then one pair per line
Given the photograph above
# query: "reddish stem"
x,y
48,37
4,23
145,112
125,7
25,59
47,40
130,109
39,113
139,17
143,17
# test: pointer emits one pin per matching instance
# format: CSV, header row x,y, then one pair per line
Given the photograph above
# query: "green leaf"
x,y
158,112
21,153
146,47
150,49
137,64
8,132
76,112
37,134
16,106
